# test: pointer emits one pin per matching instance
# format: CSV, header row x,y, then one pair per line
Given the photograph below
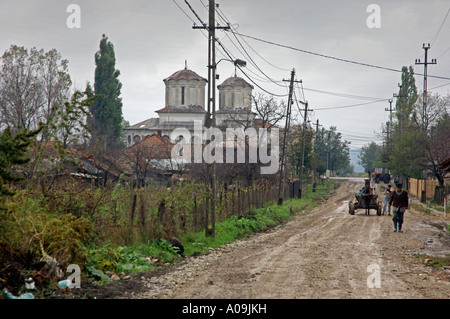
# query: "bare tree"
x,y
269,110
149,158
32,84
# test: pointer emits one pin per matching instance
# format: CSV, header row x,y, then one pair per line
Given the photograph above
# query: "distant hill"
x,y
354,153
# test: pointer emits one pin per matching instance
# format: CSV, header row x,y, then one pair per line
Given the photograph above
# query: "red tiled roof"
x,y
154,147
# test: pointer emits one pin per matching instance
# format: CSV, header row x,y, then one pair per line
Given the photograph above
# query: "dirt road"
x,y
326,253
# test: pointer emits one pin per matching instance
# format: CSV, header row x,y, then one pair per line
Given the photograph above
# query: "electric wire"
x,y
333,57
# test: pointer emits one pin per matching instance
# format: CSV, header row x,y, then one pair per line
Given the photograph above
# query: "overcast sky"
x,y
152,40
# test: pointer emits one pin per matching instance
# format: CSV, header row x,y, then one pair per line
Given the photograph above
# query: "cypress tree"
x,y
106,121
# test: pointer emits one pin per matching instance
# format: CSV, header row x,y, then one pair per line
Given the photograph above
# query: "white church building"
x,y
185,103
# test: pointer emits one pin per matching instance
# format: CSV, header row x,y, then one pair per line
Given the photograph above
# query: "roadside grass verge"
x,y
435,262
420,208
256,220
159,253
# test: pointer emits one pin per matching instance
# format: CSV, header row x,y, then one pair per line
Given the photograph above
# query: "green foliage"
x,y
407,96
332,149
68,123
138,258
370,157
13,149
254,221
28,226
435,262
106,121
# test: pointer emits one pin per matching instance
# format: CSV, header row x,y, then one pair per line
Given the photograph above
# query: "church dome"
x,y
235,93
235,81
185,74
185,89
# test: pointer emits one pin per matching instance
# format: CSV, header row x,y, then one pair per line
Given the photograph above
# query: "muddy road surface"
x,y
326,253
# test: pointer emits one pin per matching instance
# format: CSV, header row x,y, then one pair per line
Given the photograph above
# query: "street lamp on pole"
x,y
212,121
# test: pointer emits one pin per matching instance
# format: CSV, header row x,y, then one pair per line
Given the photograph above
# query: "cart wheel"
x,y
351,208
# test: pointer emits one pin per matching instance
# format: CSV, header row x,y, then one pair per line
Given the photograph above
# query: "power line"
x,y
440,28
230,56
349,106
344,95
233,30
332,57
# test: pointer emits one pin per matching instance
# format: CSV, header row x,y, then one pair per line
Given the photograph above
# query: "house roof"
x,y
185,74
49,149
445,165
147,124
151,147
259,124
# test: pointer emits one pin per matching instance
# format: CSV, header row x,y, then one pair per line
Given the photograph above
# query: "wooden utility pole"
x,y
425,87
211,110
305,121
390,120
286,128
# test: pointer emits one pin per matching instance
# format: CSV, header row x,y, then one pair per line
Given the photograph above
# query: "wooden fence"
x,y
237,200
417,186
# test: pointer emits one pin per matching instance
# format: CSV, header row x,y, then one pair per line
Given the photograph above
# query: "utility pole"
x,y
425,87
305,121
315,151
211,108
390,119
328,152
286,128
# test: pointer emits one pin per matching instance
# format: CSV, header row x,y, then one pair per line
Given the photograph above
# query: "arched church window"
x,y
137,138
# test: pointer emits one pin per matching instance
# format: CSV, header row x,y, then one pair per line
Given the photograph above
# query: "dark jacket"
x,y
401,200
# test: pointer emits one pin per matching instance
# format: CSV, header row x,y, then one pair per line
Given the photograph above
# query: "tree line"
x,y
417,139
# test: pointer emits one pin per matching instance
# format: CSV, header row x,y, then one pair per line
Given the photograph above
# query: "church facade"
x,y
185,105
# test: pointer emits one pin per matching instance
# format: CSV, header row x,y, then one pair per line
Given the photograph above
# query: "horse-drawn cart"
x,y
360,204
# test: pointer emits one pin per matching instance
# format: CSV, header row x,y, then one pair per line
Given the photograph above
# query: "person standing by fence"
x,y
400,201
387,199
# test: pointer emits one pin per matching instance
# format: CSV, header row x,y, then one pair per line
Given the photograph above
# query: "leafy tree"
x,y
407,97
339,157
106,121
370,156
300,138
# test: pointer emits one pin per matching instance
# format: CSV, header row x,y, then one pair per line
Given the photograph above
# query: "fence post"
x,y
194,217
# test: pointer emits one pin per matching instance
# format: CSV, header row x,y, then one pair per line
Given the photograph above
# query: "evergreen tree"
x,y
13,149
106,121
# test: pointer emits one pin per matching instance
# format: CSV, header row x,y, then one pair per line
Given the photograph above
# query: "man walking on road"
x,y
400,201
387,198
